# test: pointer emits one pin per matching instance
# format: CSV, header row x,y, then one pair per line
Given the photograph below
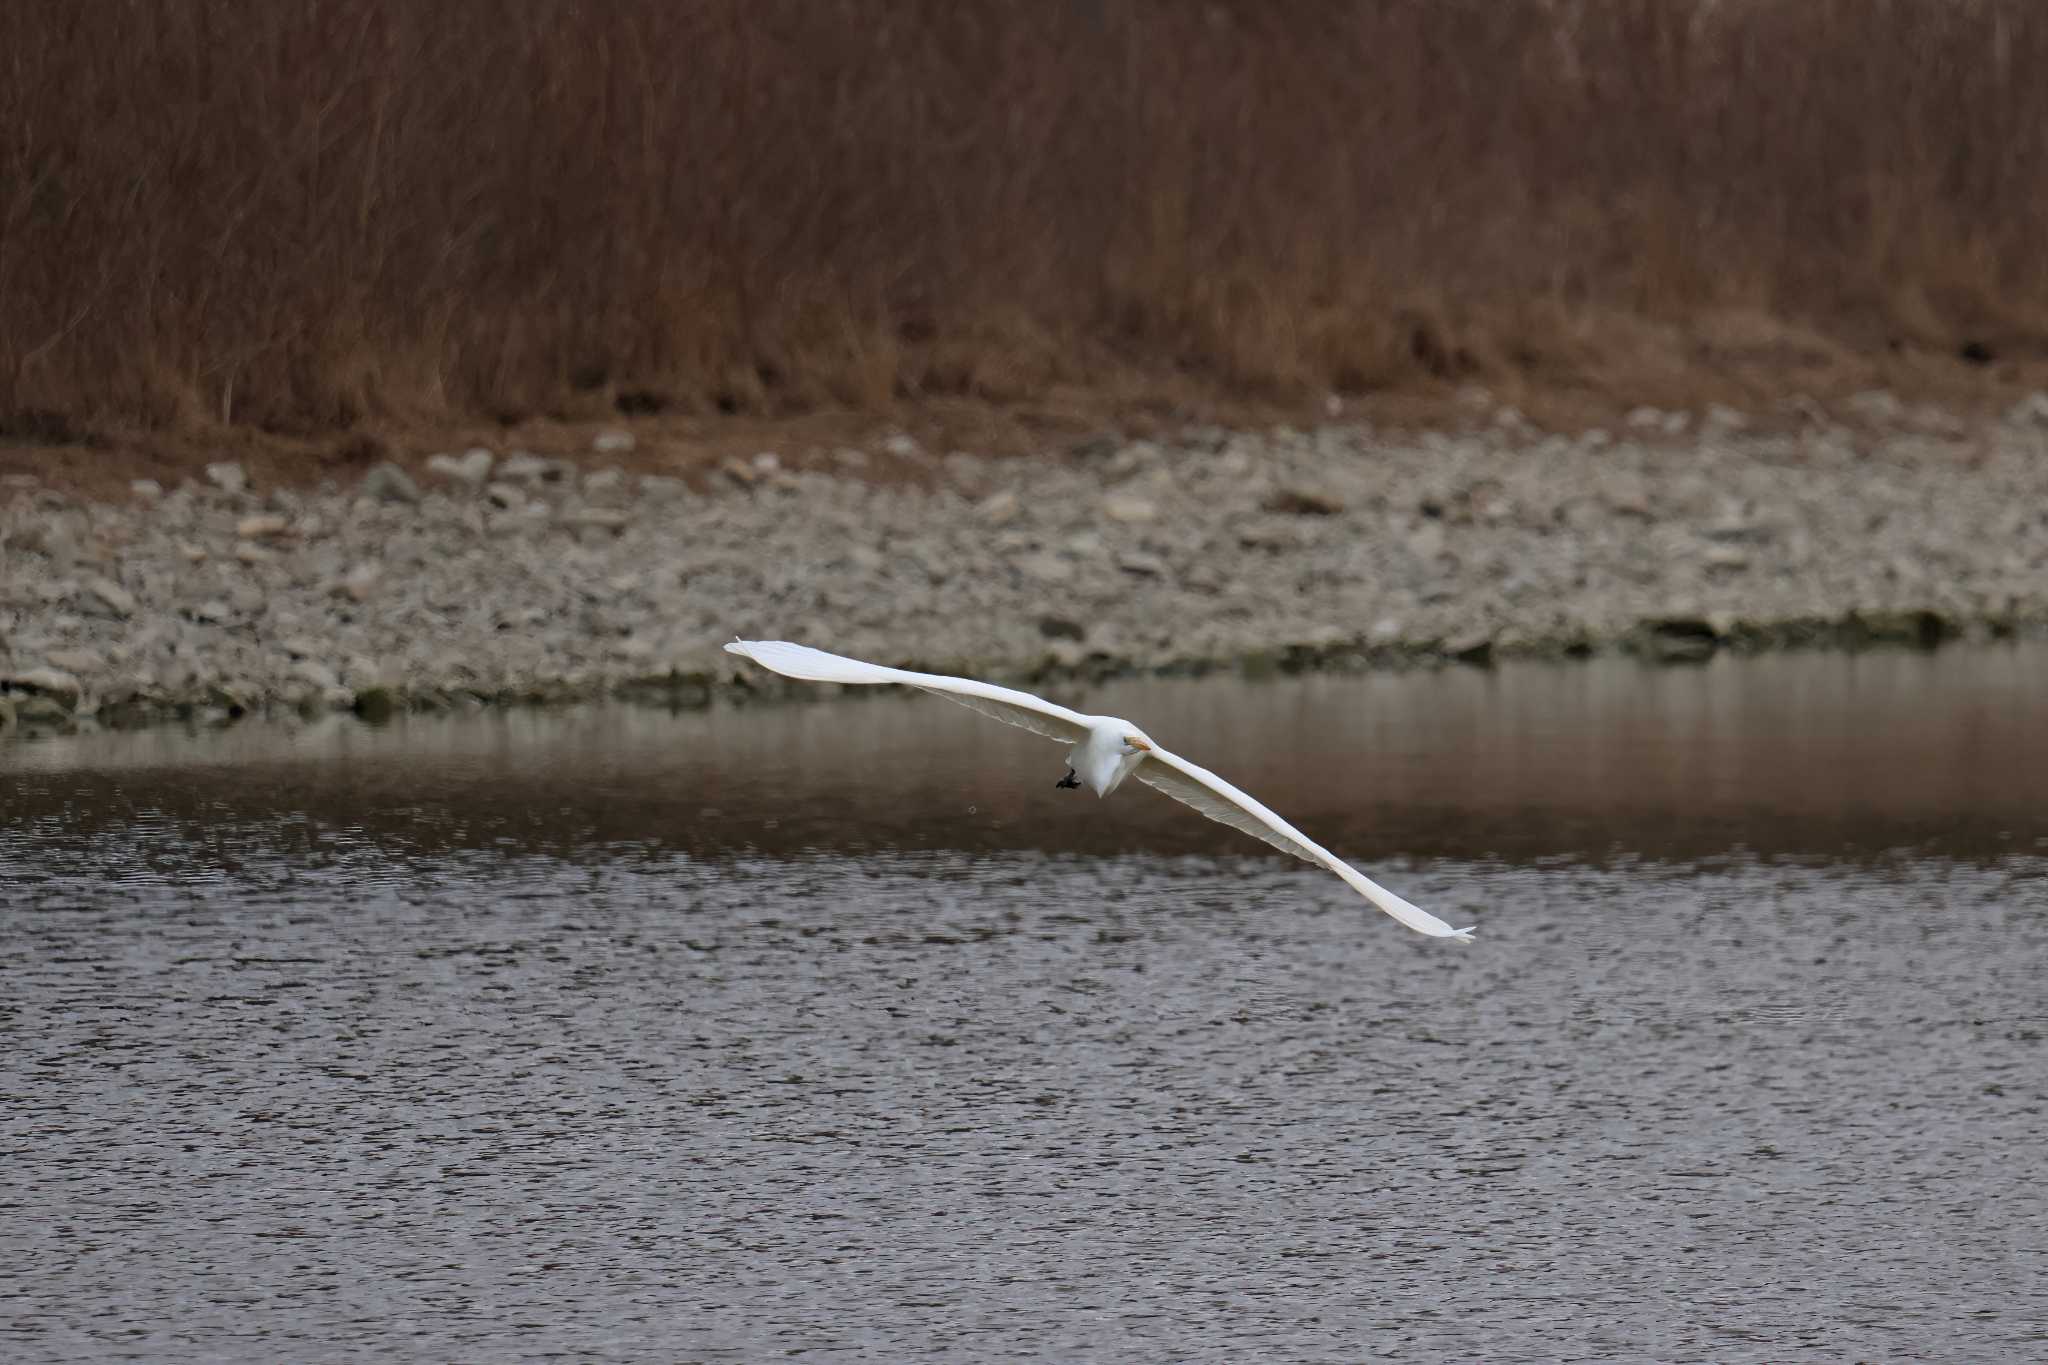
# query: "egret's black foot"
x,y
1067,781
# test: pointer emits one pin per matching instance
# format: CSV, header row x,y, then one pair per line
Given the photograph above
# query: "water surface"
x,y
836,1031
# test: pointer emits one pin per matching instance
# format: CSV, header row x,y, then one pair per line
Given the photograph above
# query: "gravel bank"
x,y
513,578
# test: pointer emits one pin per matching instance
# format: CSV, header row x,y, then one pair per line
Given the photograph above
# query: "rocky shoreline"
x,y
489,577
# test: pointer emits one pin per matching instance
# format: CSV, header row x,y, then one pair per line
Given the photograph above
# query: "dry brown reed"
x,y
301,214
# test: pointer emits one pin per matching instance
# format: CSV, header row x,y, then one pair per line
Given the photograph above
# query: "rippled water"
x,y
836,1031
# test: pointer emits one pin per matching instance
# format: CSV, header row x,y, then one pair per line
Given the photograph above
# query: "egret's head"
x,y
1137,744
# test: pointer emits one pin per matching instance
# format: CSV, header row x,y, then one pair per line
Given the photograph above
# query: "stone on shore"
x,y
1295,548
51,682
471,469
258,527
113,596
1128,507
387,482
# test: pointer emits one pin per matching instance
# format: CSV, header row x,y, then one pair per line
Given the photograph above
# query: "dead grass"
x,y
303,217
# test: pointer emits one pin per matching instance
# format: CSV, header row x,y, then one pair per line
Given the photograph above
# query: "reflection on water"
x,y
1822,754
836,1031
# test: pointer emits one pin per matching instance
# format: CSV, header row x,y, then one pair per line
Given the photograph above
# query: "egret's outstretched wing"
x,y
1035,714
1217,799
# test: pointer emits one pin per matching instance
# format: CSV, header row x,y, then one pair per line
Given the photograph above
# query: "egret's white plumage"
x,y
1104,751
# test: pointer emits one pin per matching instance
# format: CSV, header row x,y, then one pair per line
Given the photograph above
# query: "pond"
x,y
836,1030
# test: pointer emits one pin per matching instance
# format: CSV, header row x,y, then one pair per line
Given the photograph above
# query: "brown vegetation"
x,y
310,216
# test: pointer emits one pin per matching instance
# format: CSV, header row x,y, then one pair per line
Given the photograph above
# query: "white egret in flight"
x,y
1105,751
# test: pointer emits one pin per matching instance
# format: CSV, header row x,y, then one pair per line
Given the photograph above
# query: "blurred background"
x,y
304,217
